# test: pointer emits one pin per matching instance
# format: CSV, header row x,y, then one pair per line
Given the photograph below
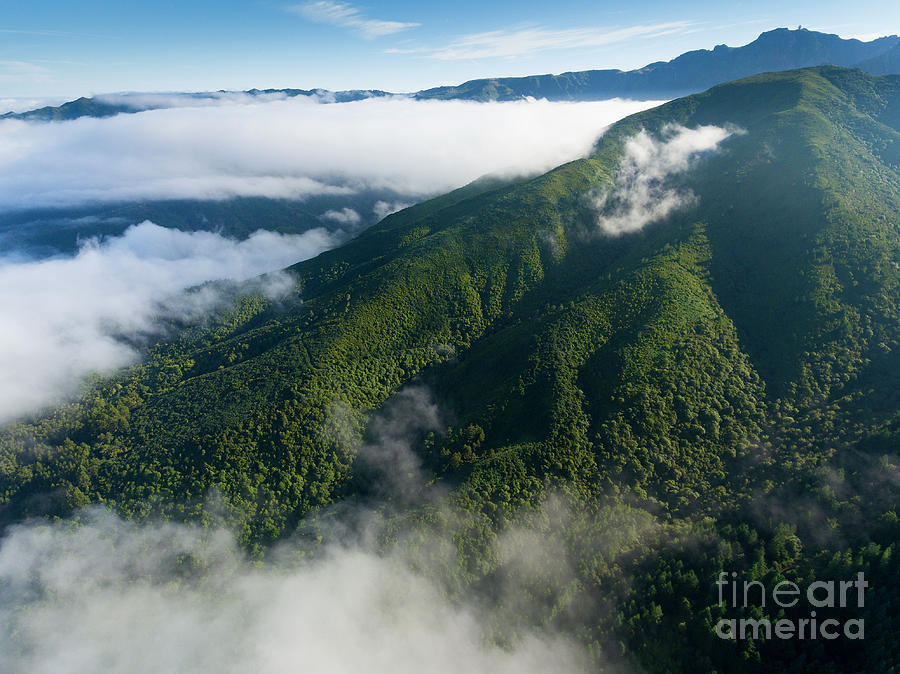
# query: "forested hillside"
x,y
713,388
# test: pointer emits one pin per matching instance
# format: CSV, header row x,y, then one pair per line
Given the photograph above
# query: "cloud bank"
x,y
66,317
640,194
154,101
113,596
291,149
138,101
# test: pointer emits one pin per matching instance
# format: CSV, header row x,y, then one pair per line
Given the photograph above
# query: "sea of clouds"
x,y
290,148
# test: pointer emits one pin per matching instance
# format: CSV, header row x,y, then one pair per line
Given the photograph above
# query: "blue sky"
x,y
68,48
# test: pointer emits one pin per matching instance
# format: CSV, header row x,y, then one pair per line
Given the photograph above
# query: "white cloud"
x,y
640,195
117,597
382,209
153,101
347,16
65,317
345,216
511,43
291,149
139,101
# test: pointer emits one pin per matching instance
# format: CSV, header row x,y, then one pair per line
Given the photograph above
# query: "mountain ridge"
x,y
691,72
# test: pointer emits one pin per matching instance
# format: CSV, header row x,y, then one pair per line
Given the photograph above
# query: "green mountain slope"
x,y
730,371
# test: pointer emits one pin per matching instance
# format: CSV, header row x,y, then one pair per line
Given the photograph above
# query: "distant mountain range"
x,y
692,72
885,63
114,104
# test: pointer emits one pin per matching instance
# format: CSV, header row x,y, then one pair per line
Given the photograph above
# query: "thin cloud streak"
x,y
18,69
523,41
345,15
44,33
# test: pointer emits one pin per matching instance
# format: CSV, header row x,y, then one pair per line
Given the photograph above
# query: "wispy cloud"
x,y
22,69
51,33
383,209
345,216
640,195
47,33
511,43
347,16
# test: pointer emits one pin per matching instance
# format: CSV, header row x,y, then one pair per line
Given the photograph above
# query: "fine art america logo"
x,y
820,594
